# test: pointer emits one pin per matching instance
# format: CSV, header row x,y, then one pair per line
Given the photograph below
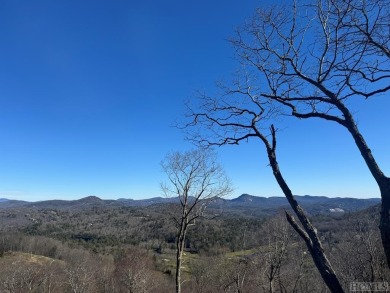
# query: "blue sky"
x,y
89,91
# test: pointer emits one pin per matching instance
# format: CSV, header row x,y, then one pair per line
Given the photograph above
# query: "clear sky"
x,y
89,91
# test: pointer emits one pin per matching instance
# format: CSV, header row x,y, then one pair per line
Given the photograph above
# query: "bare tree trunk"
x,y
308,233
178,270
271,285
384,225
179,253
311,238
382,181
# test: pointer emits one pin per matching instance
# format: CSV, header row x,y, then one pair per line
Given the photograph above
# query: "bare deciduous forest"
x,y
103,248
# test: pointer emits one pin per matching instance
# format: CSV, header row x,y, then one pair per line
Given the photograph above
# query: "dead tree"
x,y
196,179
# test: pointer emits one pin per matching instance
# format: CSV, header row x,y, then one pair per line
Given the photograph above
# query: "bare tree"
x,y
196,179
134,271
313,57
80,272
234,117
277,236
357,250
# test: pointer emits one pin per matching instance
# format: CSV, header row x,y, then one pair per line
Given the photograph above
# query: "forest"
x,y
98,247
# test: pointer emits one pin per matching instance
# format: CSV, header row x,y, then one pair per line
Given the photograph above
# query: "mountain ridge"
x,y
244,203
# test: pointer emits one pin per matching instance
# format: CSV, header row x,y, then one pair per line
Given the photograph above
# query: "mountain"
x,y
10,203
148,202
246,199
4,199
337,202
244,204
312,204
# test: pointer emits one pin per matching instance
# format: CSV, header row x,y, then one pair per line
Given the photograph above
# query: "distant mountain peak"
x,y
125,199
90,199
247,198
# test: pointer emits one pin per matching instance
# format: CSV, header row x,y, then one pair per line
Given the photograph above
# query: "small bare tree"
x,y
196,179
278,238
81,272
134,271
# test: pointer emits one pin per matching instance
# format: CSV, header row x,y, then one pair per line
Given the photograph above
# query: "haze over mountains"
x,y
243,204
